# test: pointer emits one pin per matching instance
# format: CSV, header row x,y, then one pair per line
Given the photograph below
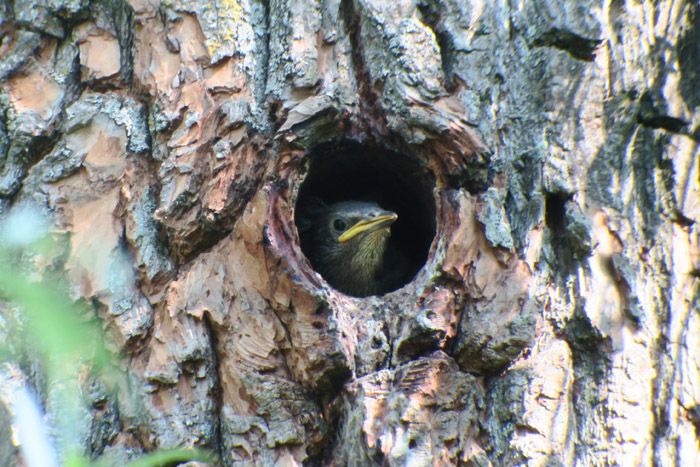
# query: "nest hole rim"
x,y
406,172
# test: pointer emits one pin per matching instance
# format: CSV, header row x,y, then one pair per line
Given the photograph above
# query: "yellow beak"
x,y
363,226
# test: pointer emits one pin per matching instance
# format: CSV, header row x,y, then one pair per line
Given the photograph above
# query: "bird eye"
x,y
339,225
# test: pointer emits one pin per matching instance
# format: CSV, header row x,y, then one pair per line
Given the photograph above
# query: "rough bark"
x,y
555,319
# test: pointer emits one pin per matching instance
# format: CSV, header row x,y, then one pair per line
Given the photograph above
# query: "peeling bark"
x,y
553,321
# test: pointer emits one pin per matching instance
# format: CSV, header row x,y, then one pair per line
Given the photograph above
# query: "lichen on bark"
x,y
553,320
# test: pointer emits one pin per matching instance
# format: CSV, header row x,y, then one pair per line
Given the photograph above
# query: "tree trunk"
x,y
543,156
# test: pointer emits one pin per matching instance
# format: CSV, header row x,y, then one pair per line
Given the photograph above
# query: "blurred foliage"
x,y
65,336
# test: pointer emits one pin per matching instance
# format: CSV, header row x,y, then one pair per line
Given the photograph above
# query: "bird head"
x,y
348,244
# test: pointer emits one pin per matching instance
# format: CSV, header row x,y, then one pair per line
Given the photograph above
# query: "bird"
x,y
346,243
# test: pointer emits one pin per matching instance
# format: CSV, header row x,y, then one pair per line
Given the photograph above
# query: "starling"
x,y
347,243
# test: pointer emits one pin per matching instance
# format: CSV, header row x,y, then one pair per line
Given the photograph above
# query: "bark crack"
x,y
216,392
261,16
432,19
370,106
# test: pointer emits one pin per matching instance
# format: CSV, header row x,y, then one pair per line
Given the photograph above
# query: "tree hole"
x,y
555,211
396,183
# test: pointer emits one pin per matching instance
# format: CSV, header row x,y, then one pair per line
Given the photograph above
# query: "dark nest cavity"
x,y
397,182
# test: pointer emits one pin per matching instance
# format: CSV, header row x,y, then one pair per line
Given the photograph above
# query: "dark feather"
x,y
361,266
